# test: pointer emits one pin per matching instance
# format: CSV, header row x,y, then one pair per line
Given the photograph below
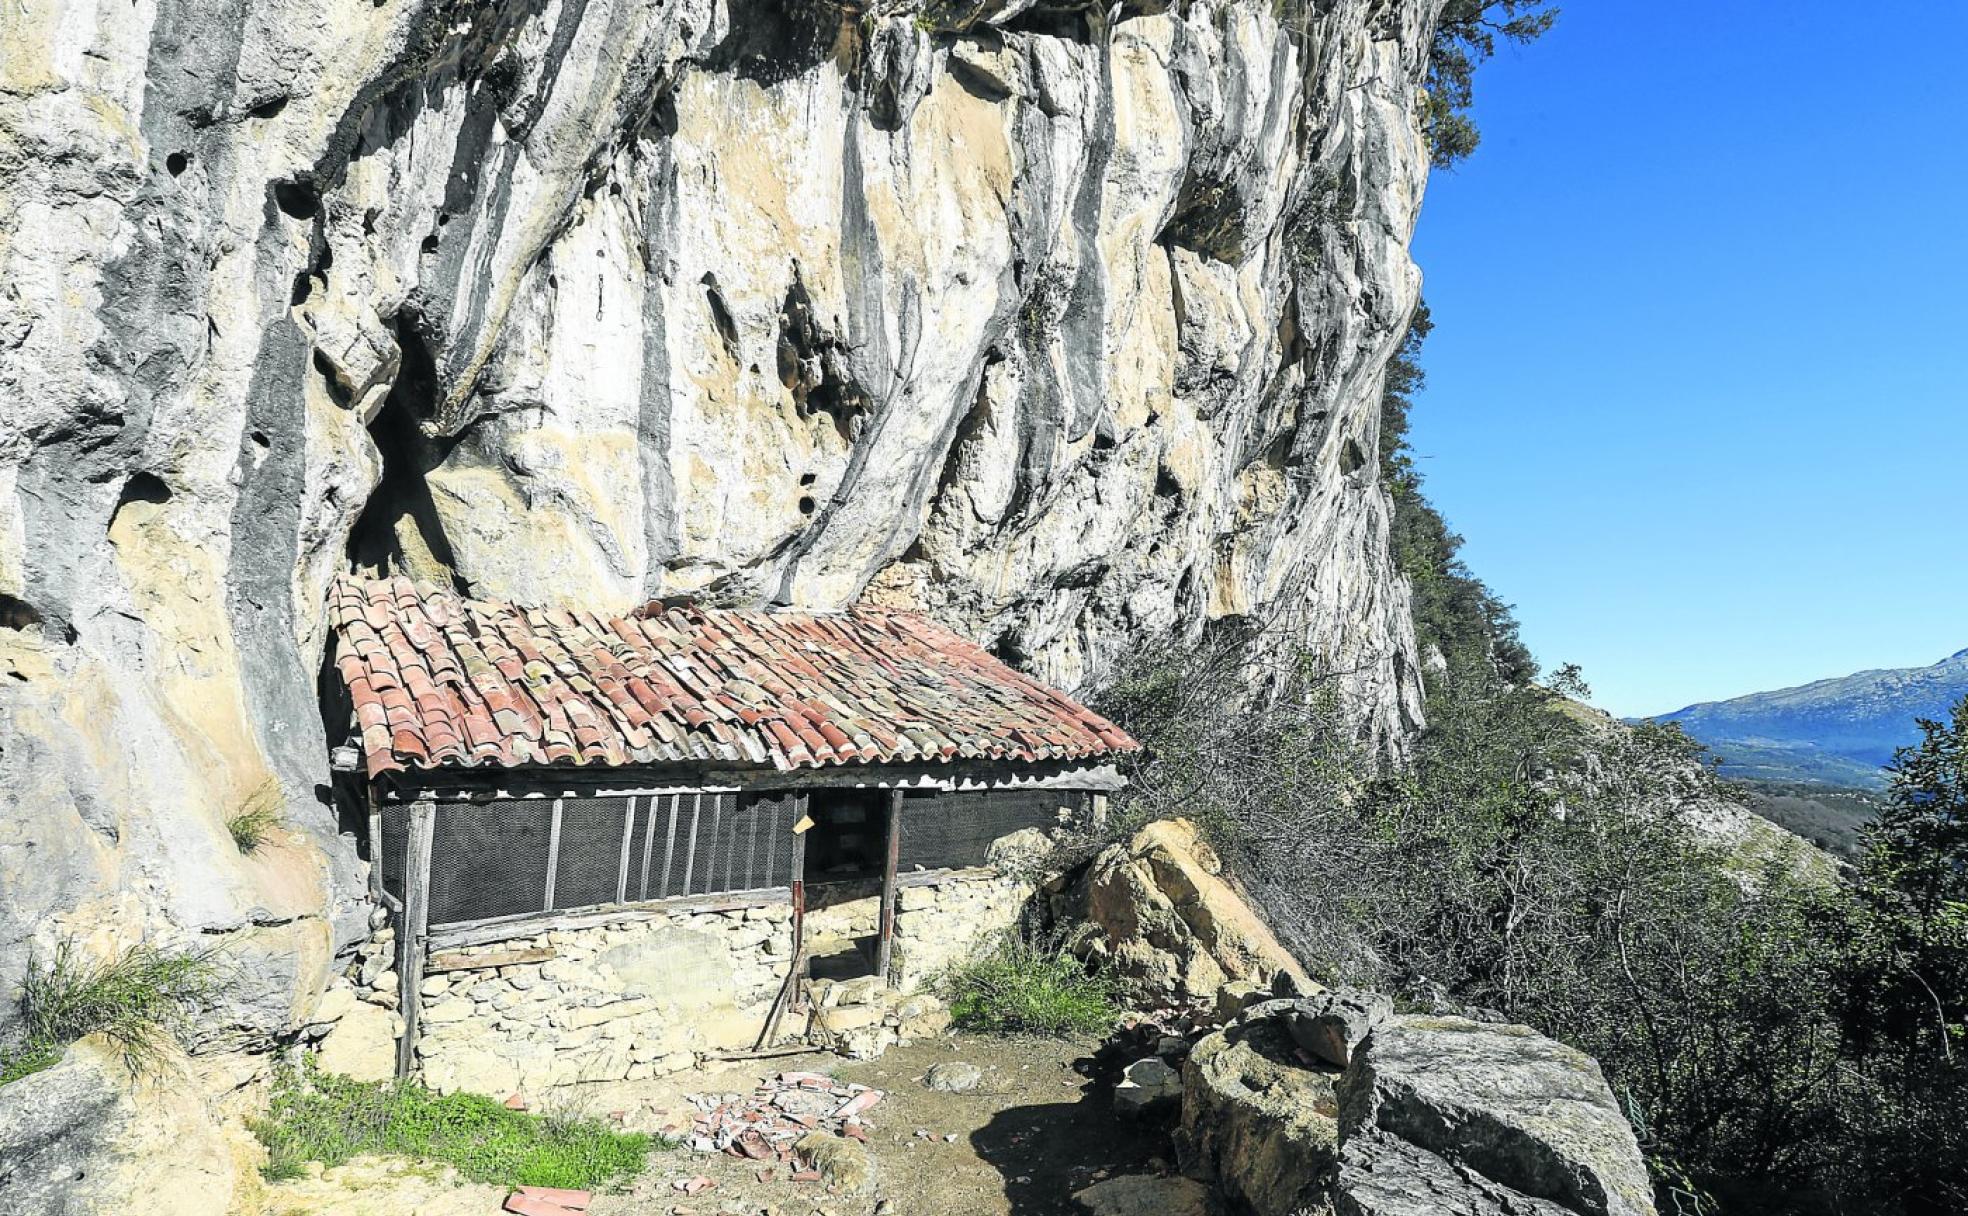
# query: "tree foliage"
x,y
1465,37
1454,611
1782,1041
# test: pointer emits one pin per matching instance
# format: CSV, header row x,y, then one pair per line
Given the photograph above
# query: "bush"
x,y
315,1116
1022,988
139,999
256,819
1782,1040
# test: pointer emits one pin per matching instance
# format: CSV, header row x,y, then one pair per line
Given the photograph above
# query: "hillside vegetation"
x,y
1784,1039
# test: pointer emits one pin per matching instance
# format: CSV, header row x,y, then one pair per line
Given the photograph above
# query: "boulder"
x,y
362,1044
1236,996
1331,1024
1145,1195
1148,1086
1523,1111
1255,1121
1382,1176
844,1163
953,1077
1177,927
85,1138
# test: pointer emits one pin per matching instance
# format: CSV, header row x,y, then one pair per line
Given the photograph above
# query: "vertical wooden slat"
x,y
375,809
410,934
891,860
717,829
690,845
628,843
553,854
770,812
669,847
648,846
753,814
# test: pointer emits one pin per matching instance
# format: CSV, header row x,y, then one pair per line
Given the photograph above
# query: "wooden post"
x,y
800,962
890,862
411,931
375,815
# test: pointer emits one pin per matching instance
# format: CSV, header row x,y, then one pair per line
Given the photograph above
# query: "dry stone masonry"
x,y
649,993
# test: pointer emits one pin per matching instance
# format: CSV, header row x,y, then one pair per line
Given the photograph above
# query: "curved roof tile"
x,y
439,680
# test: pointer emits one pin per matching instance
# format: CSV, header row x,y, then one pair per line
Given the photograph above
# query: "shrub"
x,y
256,819
316,1116
139,999
1022,988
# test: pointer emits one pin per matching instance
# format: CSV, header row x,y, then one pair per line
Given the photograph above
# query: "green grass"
x,y
1025,989
256,819
139,999
26,1058
315,1116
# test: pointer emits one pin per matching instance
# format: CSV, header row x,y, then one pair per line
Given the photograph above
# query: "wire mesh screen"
x,y
488,858
955,830
591,839
515,856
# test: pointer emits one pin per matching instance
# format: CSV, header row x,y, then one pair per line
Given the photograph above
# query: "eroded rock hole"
x,y
721,319
176,163
270,108
806,504
339,390
297,199
17,614
1351,458
399,529
813,365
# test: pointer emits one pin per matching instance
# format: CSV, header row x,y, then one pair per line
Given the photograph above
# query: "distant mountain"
x,y
1836,732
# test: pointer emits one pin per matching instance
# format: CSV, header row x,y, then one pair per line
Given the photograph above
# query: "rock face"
x,y
1175,926
82,1138
1503,1107
1065,326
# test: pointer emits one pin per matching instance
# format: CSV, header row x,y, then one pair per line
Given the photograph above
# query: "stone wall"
x,y
645,994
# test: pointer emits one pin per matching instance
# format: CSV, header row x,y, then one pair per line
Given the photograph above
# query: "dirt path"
x,y
1039,1126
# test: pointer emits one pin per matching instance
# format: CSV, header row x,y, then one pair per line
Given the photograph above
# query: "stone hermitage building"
x,y
606,845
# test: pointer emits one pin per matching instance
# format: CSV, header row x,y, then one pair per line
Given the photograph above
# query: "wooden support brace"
x,y
411,931
891,861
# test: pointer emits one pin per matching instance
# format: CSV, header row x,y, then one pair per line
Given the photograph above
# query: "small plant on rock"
x,y
256,818
1030,989
139,999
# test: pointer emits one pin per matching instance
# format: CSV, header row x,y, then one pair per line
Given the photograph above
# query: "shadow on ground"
x,y
1046,1151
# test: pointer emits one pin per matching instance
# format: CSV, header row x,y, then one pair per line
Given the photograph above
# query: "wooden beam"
x,y
531,924
462,960
410,933
891,861
959,776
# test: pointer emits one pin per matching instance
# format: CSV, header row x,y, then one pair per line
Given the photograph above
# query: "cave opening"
x,y
399,530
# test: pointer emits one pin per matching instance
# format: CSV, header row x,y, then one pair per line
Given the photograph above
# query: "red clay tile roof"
x,y
437,680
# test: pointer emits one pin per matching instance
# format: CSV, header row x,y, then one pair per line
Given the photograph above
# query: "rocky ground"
x,y
1038,1126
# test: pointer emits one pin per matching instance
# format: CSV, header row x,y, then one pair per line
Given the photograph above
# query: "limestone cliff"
x,y
1063,322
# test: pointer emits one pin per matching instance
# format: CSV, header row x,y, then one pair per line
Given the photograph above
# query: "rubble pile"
x,y
766,1124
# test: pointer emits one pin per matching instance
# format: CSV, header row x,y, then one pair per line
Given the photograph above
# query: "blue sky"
x,y
1698,388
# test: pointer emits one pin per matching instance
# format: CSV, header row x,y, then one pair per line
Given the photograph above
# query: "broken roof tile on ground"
x,y
436,679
